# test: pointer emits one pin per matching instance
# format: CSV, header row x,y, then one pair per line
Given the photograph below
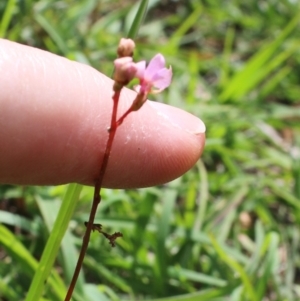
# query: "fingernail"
x,y
179,118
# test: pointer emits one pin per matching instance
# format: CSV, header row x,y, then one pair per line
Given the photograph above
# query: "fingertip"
x,y
155,145
54,127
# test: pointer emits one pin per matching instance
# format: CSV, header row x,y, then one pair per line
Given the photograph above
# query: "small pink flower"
x,y
155,75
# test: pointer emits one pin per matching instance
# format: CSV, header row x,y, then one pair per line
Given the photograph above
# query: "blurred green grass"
x,y
229,228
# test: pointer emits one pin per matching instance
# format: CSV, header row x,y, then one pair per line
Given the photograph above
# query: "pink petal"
x,y
162,78
137,88
141,66
157,63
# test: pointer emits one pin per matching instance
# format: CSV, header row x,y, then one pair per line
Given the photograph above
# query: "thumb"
x,y
54,115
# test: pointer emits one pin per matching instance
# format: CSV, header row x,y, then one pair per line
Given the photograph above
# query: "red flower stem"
x,y
97,196
121,119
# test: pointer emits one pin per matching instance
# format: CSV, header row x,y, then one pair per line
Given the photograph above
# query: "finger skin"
x,y
54,115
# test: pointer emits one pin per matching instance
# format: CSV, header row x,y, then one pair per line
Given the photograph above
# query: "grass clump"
x,y
229,228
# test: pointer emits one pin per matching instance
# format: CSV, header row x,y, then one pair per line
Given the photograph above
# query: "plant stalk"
x,y
97,196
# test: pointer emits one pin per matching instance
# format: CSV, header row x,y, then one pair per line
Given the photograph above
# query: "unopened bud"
x,y
125,71
125,48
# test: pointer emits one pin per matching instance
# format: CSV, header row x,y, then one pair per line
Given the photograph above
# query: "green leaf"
x,y
138,20
7,16
53,244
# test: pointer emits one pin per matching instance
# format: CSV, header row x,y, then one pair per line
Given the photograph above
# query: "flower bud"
x,y
125,48
125,70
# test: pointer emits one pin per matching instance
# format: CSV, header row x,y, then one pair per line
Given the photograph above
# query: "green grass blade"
x,y
7,16
69,252
271,83
28,263
296,174
225,65
50,252
7,292
108,275
239,83
269,264
283,193
205,295
173,45
190,275
164,224
53,33
138,20
236,267
16,220
200,215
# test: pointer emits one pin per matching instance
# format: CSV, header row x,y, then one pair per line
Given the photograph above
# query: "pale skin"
x,y
54,115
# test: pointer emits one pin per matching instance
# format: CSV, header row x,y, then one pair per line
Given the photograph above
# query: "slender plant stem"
x,y
121,119
98,182
97,196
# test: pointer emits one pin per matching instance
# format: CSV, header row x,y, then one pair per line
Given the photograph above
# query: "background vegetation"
x,y
226,230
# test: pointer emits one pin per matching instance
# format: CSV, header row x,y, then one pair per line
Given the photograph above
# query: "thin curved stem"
x,y
97,196
121,119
